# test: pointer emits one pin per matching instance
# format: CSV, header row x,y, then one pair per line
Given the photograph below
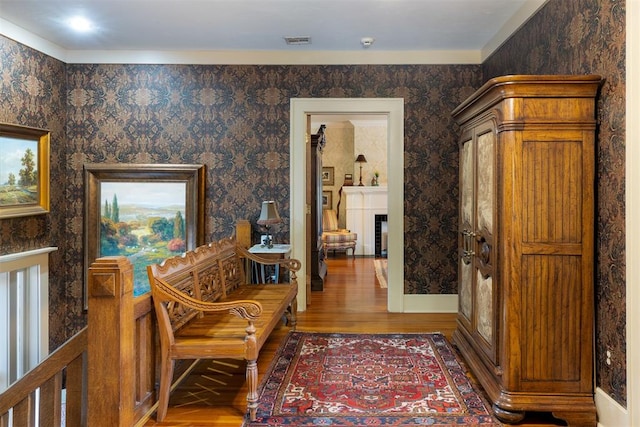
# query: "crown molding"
x,y
274,57
222,57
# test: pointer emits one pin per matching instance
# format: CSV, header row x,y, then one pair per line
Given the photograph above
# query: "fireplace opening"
x,y
381,236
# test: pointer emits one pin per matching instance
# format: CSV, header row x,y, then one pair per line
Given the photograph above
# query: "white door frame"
x,y
393,108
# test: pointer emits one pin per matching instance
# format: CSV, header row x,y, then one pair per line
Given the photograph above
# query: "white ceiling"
x,y
421,31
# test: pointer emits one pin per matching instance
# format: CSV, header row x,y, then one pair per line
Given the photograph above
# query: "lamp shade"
x,y
361,159
269,214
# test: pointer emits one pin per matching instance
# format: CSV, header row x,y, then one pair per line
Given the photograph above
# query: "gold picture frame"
x,y
136,210
24,170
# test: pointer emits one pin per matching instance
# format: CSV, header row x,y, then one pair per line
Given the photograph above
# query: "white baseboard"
x,y
610,412
441,303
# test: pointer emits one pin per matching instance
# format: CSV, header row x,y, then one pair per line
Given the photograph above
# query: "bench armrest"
x,y
245,309
291,264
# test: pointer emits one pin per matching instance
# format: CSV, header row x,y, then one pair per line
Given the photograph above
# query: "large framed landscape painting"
x,y
144,212
24,171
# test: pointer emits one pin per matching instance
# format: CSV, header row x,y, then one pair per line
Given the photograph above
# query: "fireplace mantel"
x,y
362,205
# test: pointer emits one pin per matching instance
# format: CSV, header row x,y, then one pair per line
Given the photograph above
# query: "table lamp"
x,y
268,217
361,159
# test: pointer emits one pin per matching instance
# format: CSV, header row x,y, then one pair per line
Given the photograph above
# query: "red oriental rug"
x,y
369,380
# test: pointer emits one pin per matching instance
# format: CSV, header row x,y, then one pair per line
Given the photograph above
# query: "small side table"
x,y
258,271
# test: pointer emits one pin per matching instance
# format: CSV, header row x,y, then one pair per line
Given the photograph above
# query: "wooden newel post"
x,y
111,355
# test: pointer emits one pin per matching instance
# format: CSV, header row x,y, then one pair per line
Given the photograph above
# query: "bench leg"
x,y
166,376
293,313
252,385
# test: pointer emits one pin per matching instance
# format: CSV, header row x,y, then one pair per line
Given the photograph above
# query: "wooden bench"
x,y
206,310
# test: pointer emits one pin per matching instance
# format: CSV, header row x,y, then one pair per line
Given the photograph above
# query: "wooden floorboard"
x,y
351,301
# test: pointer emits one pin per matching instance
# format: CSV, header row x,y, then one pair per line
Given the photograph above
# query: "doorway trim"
x,y
393,108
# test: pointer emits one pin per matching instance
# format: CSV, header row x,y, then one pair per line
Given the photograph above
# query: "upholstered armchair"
x,y
335,238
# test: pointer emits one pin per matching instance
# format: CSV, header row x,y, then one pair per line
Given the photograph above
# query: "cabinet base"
x,y
511,407
509,417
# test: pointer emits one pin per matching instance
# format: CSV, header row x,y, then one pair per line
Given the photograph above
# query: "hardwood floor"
x,y
351,302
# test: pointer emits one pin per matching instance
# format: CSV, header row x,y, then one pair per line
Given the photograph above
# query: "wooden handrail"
x,y
108,368
69,359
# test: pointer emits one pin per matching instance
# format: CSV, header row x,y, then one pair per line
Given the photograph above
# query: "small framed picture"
x,y
328,175
327,200
348,179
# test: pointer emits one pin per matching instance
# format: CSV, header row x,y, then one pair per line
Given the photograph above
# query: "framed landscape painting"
x,y
24,171
145,212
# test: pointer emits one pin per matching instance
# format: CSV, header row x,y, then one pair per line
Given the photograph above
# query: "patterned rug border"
x,y
450,361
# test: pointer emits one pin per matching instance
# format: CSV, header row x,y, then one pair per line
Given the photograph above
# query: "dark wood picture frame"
x,y
328,175
24,179
327,200
185,183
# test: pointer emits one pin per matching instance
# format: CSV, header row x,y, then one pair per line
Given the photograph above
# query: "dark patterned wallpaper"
x,y
588,37
33,93
235,120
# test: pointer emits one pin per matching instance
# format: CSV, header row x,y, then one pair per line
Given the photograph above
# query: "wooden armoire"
x,y
526,244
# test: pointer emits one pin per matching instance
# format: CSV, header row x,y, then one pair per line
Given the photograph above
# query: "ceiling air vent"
x,y
298,40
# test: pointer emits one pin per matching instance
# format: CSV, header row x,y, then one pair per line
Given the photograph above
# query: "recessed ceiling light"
x,y
80,24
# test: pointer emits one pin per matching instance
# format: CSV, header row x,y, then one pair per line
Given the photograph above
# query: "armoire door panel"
x,y
551,291
485,310
552,182
485,186
485,285
465,291
467,182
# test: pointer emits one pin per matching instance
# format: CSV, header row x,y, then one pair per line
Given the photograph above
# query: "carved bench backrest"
x,y
207,273
231,264
178,272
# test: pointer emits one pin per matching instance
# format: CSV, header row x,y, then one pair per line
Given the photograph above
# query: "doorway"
x,y
393,109
350,137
